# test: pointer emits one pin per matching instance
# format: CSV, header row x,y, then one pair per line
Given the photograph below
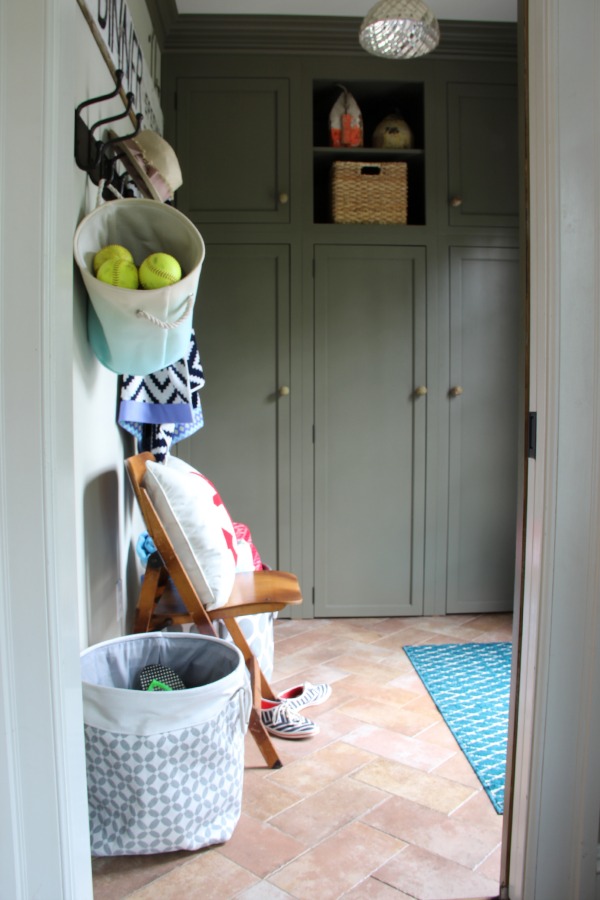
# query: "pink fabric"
x,y
242,533
153,175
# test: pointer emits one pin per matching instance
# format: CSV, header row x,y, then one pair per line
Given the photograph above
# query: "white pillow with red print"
x,y
198,525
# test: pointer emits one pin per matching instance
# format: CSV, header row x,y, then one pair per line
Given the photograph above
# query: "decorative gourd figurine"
x,y
393,133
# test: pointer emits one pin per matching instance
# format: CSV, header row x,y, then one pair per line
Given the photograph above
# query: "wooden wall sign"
x,y
112,27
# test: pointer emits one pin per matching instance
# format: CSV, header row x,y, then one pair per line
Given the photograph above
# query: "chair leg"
x,y
255,726
149,594
241,643
260,688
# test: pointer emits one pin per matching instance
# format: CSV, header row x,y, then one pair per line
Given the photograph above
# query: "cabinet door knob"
x,y
456,391
456,201
283,199
284,390
420,391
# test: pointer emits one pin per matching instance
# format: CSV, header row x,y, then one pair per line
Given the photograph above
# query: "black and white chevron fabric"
x,y
164,407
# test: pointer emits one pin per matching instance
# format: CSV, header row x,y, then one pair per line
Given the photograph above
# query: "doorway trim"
x,y
557,781
44,828
552,829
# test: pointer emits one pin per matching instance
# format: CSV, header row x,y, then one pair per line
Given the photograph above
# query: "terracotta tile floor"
x,y
380,804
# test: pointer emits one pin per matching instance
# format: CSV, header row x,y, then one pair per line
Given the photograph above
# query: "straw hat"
x,y
152,164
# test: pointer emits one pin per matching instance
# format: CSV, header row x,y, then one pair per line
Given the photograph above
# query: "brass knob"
x,y
456,202
420,391
456,391
283,199
284,390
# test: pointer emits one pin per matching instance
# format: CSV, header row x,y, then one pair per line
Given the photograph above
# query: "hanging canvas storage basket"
x,y
164,768
135,332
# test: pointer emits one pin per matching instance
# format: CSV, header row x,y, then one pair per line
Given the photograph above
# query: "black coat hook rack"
x,y
91,153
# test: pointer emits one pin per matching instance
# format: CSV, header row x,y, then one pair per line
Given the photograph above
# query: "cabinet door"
x,y
482,155
484,362
233,148
242,329
370,345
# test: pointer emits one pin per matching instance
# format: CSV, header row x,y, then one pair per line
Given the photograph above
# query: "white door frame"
x,y
44,832
44,851
556,801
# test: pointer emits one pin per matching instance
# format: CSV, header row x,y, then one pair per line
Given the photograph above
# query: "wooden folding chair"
x,y
253,593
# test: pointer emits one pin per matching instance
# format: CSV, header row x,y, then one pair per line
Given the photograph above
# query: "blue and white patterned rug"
x,y
470,685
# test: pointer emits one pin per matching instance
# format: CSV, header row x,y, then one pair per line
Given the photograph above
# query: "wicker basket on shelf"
x,y
369,193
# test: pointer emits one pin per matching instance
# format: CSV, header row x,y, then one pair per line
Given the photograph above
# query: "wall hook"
x,y
106,164
114,183
90,153
121,115
121,137
118,79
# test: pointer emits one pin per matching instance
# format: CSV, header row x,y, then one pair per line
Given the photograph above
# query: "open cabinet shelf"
x,y
376,100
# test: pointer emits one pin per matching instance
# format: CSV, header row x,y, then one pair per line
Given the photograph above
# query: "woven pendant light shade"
x,y
399,29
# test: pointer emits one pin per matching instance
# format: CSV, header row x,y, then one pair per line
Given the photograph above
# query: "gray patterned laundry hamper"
x,y
164,768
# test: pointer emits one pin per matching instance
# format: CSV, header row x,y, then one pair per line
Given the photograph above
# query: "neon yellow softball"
x,y
120,273
159,270
110,252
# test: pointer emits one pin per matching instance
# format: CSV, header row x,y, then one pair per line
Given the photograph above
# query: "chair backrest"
x,y
136,467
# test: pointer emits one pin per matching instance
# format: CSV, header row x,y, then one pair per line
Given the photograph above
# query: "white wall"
x,y
105,535
64,525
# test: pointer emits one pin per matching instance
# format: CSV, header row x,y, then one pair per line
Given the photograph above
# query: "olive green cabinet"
x,y
233,148
242,328
384,399
370,361
483,414
361,394
482,155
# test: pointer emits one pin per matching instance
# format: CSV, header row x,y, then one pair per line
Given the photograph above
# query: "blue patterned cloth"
x,y
470,685
164,407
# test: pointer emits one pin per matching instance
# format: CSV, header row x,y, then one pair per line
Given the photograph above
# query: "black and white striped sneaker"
x,y
306,694
284,722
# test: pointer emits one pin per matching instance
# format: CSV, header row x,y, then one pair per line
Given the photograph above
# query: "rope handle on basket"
x,y
244,698
142,314
109,187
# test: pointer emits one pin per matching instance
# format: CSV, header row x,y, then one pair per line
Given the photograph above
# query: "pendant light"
x,y
399,29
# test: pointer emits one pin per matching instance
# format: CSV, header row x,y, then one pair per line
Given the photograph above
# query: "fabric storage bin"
x,y
135,332
258,631
165,768
369,193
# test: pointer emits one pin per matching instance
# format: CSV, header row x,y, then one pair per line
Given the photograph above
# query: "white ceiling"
x,y
476,10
